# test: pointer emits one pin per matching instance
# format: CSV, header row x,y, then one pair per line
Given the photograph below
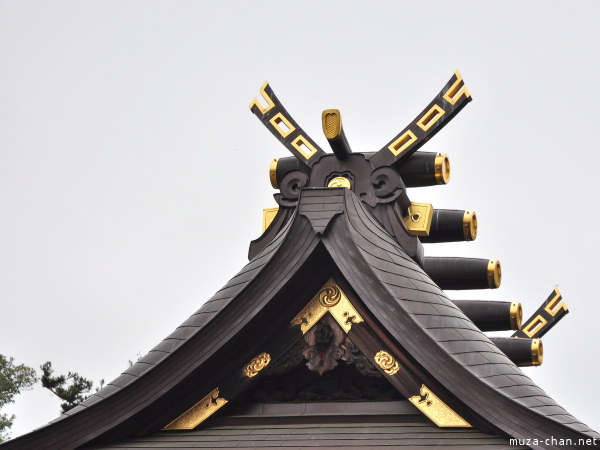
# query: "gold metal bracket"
x,y
257,364
332,299
418,219
198,413
440,413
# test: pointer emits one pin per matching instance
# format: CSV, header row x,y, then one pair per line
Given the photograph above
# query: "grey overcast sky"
x,y
133,175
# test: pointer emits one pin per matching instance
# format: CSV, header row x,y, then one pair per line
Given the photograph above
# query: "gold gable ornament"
x,y
434,408
332,299
198,413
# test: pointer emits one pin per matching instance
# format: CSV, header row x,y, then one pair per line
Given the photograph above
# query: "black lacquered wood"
x,y
487,315
457,273
518,351
447,225
418,170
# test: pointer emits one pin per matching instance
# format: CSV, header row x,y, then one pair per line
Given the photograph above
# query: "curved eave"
x,y
426,325
330,228
156,389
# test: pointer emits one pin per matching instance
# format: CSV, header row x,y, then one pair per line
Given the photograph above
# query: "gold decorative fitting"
x,y
535,326
555,304
304,147
387,362
273,173
442,168
434,408
198,413
418,219
494,274
277,121
537,352
340,182
430,118
257,364
332,299
457,90
407,139
268,216
270,102
332,123
516,316
470,225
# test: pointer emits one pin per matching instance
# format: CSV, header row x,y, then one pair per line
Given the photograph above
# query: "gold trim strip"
x,y
273,173
270,102
297,144
553,305
332,299
516,315
470,225
407,139
439,413
537,352
442,168
533,327
277,119
387,362
457,90
257,364
430,118
494,274
198,413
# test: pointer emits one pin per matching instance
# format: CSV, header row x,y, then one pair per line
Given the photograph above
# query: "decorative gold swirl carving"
x,y
434,408
340,182
387,362
329,298
257,364
198,413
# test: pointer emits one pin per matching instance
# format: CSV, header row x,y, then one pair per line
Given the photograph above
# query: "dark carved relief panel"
x,y
311,370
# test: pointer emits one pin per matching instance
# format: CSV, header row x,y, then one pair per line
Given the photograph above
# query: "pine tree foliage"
x,y
13,380
72,388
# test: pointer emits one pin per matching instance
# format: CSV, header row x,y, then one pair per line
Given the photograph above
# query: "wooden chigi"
x,y
338,332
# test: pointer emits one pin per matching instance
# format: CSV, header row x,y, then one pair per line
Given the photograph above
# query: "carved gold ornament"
x,y
332,299
440,413
330,296
387,362
198,413
257,364
418,218
340,182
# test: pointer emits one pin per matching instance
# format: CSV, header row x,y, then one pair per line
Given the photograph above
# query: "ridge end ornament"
x,y
332,299
257,364
434,408
446,104
198,413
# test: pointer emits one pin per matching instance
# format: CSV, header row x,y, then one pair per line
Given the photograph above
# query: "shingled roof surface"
x,y
333,232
